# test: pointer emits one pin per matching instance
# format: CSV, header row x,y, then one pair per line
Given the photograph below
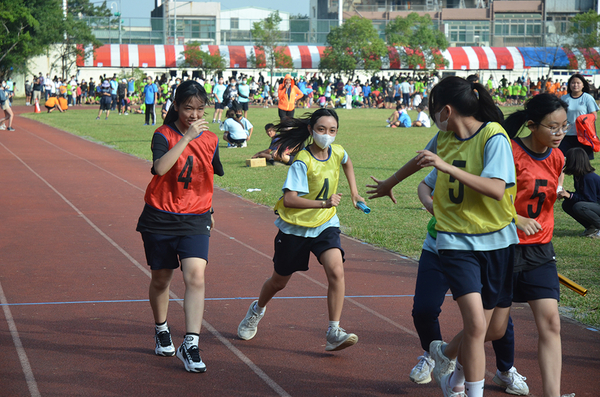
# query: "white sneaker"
x,y
447,390
164,344
443,365
249,325
421,373
513,381
338,339
245,144
191,358
595,235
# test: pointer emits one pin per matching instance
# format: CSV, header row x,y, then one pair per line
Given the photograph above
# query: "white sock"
x,y
458,376
257,309
161,327
191,340
333,324
474,389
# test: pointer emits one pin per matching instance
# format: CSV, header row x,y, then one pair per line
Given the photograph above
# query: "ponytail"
x,y
535,109
468,98
294,132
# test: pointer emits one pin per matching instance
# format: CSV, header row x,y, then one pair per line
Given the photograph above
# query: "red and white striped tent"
x,y
309,57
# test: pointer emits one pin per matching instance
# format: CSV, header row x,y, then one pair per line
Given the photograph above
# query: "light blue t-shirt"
x,y
498,163
113,87
297,181
218,91
243,89
235,129
585,104
404,120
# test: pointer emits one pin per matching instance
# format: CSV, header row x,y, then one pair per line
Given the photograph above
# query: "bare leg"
x,y
334,269
272,286
193,301
159,294
547,320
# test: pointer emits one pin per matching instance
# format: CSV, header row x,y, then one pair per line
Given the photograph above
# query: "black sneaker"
x,y
191,358
164,344
10,129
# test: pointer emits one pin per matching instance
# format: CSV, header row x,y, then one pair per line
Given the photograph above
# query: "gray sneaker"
x,y
421,373
443,365
338,339
249,325
589,231
512,381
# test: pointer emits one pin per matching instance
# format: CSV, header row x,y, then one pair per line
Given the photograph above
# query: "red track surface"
x,y
70,254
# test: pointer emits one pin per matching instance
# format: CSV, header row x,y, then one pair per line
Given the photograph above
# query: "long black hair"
x,y
294,132
586,85
185,91
535,109
467,98
577,162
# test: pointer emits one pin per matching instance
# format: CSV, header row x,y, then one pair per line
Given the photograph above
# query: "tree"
x,y
423,43
77,34
27,27
267,38
354,45
195,58
584,34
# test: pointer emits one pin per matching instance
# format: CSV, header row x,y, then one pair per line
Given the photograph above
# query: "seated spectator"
x,y
52,104
239,113
399,118
235,133
270,154
422,118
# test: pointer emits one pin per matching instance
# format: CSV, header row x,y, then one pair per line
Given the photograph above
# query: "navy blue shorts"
x,y
165,252
219,105
488,273
541,282
244,106
293,252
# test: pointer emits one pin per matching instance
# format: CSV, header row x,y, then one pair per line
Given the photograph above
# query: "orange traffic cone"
x,y
37,106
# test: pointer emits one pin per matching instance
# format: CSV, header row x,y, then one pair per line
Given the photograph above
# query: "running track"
x,y
76,321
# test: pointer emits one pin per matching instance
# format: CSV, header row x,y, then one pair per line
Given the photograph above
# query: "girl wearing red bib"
x,y
539,163
177,218
307,219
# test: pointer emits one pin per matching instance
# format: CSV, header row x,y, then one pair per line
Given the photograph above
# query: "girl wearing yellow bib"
x,y
475,227
307,219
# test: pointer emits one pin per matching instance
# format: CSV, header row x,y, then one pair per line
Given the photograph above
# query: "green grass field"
x,y
375,151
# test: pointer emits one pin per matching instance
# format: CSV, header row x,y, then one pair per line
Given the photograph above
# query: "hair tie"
x,y
476,92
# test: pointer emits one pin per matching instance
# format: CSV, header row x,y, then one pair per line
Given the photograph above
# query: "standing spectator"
x,y
244,94
5,104
84,92
348,92
580,102
48,86
121,94
114,85
105,99
37,90
28,91
405,90
288,94
218,95
150,97
131,87
389,95
42,85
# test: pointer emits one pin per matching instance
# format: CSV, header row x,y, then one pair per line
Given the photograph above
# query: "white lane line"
x,y
12,327
261,374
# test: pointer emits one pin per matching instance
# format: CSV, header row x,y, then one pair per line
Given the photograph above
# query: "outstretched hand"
x,y
381,189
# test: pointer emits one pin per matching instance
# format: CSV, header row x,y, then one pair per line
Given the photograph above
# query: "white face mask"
x,y
323,140
442,126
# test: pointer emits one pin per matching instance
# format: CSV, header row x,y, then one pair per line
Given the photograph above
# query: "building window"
x,y
235,23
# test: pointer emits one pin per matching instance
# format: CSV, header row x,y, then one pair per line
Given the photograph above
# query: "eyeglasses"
x,y
557,130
